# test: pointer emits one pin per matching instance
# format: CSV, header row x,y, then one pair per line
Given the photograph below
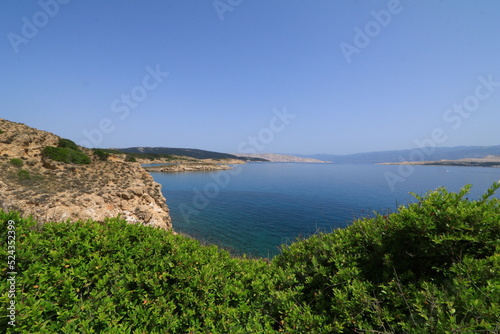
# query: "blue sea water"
x,y
257,207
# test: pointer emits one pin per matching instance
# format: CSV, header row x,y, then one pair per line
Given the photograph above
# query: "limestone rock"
x,y
56,191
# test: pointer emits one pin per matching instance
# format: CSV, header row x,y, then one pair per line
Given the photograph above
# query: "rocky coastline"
x,y
50,190
186,167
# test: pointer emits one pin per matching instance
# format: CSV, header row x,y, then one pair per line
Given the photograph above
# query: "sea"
x,y
256,208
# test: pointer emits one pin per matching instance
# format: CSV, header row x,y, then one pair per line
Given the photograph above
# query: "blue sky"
x,y
352,76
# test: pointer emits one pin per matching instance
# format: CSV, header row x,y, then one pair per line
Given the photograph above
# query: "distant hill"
x,y
188,152
279,158
415,154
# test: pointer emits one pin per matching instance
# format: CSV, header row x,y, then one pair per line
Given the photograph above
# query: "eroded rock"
x,y
55,191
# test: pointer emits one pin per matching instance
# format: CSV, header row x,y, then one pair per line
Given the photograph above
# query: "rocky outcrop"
x,y
55,191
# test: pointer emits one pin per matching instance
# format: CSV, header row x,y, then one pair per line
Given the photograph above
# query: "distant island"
x,y
417,154
271,157
488,161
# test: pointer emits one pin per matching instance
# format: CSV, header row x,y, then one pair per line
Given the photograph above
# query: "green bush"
x,y
17,162
130,158
24,175
419,270
66,143
431,267
66,155
116,277
1,131
66,151
111,151
101,154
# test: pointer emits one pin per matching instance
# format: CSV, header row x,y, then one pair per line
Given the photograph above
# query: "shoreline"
x,y
179,168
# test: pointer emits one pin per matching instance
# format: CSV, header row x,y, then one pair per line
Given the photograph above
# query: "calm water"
x,y
259,206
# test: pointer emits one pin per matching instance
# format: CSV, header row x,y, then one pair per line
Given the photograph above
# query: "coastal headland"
x,y
52,179
187,167
488,161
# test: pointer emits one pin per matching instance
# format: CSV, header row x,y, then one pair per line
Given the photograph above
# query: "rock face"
x,y
55,191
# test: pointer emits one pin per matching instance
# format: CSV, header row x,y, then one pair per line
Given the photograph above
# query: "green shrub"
x,y
17,162
130,158
24,175
66,155
66,151
431,267
116,277
66,143
1,131
419,270
101,154
111,151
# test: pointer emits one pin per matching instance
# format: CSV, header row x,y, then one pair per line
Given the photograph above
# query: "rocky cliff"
x,y
54,191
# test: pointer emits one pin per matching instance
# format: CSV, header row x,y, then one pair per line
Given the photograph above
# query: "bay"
x,y
257,207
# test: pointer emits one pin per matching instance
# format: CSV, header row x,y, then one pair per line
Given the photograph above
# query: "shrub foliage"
x,y
17,162
66,143
66,155
66,151
24,175
130,158
101,154
430,267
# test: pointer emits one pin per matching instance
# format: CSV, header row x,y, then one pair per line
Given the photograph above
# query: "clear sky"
x,y
344,76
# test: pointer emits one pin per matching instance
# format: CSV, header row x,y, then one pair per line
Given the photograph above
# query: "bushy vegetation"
x,y
111,151
101,154
24,175
430,267
66,151
66,143
66,155
130,158
17,162
1,131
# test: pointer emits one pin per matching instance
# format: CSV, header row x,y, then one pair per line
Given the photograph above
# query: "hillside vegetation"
x,y
431,267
